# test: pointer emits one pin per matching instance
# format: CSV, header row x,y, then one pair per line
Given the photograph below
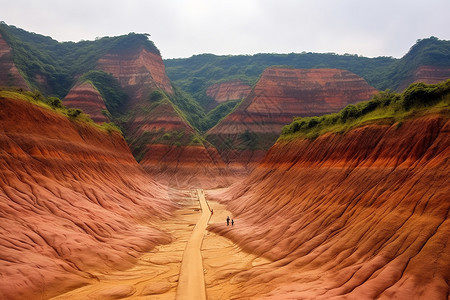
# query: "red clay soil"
x,y
426,74
161,119
87,98
360,215
167,154
72,201
139,71
9,76
190,166
282,94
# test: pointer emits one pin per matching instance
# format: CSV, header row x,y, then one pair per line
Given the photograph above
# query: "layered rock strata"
x,y
86,97
280,95
73,203
139,71
9,75
361,215
161,139
229,90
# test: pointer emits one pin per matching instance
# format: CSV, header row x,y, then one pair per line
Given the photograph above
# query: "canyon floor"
x,y
171,271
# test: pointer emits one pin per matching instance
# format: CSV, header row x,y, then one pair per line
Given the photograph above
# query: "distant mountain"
x,y
200,108
244,136
197,74
119,79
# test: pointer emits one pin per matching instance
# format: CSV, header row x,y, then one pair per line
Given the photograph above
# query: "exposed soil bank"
x,y
362,215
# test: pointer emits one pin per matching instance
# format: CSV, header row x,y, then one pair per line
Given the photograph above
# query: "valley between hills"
x,y
118,170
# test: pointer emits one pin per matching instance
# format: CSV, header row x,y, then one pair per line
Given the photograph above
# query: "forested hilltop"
x,y
195,74
61,62
53,68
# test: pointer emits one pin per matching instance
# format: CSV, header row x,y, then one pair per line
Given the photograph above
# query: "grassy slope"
x,y
54,104
384,108
60,63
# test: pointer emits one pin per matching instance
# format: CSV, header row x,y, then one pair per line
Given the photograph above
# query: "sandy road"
x,y
156,274
191,283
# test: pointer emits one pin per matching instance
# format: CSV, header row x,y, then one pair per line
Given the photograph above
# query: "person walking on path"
x,y
232,222
228,220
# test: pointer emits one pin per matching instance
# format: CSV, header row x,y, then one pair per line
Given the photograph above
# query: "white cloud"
x,y
181,28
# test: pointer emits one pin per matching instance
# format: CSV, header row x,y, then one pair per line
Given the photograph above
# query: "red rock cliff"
x,y
198,166
73,201
166,148
87,98
139,71
361,215
159,136
280,95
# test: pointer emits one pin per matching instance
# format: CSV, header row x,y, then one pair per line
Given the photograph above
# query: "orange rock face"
x,y
159,136
162,142
282,94
426,74
139,71
360,215
186,166
231,90
87,98
9,75
73,201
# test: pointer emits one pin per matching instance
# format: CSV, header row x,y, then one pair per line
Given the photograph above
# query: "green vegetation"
x,y
157,95
215,115
384,108
109,88
195,74
247,140
430,51
53,68
190,108
36,55
55,104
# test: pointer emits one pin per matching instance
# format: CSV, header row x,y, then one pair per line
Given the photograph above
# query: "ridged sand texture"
x,y
361,215
72,201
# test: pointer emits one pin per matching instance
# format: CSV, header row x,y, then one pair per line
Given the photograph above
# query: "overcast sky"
x,y
182,28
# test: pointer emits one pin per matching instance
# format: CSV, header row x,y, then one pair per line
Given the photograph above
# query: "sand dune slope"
x,y
73,201
361,215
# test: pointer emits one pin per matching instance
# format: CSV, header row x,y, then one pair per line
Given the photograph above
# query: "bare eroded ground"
x,y
156,273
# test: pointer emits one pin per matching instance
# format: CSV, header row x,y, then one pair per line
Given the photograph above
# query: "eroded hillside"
x,y
358,213
73,201
244,136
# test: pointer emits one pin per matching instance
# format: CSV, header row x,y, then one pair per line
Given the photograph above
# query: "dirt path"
x,y
156,274
191,283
